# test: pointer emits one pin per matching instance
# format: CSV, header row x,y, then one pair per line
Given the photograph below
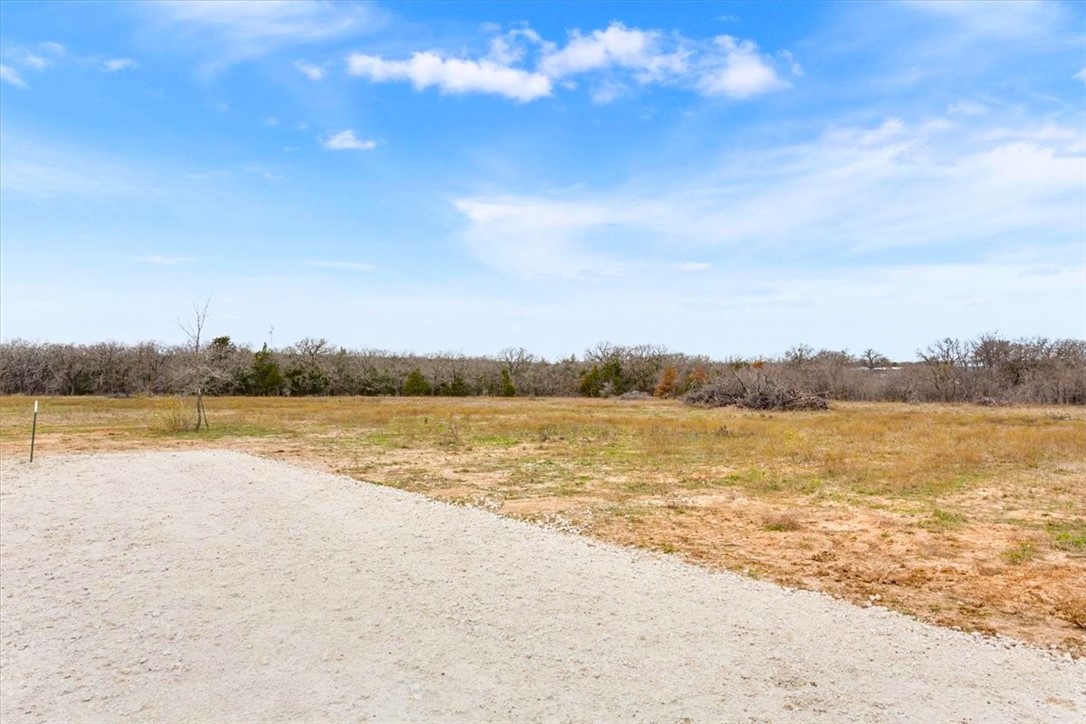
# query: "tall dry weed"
x,y
172,414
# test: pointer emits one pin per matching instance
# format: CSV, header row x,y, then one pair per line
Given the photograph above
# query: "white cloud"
x,y
115,64
270,121
345,265
452,75
10,75
313,72
617,46
512,47
165,260
1081,75
523,66
740,72
347,141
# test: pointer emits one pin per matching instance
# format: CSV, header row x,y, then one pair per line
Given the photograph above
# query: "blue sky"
x,y
719,178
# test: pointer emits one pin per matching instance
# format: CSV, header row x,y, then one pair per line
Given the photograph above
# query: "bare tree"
x,y
516,360
946,361
871,359
199,372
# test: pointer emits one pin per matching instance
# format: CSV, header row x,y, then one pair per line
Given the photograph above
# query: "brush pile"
x,y
755,391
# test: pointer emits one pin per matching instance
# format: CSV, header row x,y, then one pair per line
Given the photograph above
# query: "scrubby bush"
x,y
986,369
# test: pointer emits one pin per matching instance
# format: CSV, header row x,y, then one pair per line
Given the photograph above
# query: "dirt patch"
x,y
212,586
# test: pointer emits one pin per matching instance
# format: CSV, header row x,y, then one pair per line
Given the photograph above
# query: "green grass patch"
x,y
1068,535
940,520
1020,553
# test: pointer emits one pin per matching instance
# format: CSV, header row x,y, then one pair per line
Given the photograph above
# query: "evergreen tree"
x,y
265,379
416,384
508,388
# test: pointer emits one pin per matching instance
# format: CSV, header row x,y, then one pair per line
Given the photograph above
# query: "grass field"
x,y
964,516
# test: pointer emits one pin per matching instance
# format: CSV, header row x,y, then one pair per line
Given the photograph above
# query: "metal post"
x,y
33,430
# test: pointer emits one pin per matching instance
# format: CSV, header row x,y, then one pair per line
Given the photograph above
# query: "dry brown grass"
x,y
966,516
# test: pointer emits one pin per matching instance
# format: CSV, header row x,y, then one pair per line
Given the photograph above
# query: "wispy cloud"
x,y
853,191
345,265
309,70
43,56
1081,75
11,76
115,64
347,141
452,75
988,18
158,260
36,62
225,32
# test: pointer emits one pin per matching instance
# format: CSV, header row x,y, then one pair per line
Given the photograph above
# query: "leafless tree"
x,y
199,372
871,359
516,360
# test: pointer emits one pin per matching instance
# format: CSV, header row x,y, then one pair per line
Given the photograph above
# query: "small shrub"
x,y
668,380
782,522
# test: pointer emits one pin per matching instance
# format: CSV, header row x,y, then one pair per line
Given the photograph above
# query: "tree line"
x,y
989,369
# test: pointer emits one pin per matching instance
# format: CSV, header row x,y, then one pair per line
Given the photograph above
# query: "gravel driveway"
x,y
217,586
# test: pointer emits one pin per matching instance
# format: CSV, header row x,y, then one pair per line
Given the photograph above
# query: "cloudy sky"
x,y
719,178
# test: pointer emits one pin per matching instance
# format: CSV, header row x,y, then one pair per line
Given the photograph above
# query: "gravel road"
x,y
217,586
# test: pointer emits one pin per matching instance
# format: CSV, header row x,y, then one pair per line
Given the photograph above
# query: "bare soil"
x,y
213,585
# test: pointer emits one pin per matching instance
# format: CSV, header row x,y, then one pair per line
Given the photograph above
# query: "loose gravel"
x,y
217,586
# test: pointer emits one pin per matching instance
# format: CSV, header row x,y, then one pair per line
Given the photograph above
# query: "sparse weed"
x,y
1069,536
1020,553
943,520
